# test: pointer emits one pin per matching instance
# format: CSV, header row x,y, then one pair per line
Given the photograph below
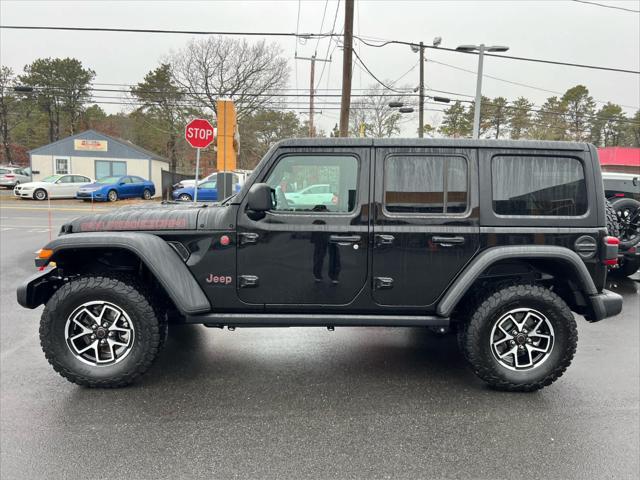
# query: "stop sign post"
x,y
200,134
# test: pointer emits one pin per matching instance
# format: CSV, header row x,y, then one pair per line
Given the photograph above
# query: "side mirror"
x,y
259,198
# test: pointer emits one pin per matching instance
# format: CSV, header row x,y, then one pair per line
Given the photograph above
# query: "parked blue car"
x,y
114,188
207,192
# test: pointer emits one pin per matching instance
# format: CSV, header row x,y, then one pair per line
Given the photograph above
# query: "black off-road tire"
x,y
127,293
612,220
474,338
628,232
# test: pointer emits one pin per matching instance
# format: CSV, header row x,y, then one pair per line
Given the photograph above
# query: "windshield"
x,y
108,180
51,178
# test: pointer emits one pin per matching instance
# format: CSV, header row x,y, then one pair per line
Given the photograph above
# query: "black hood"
x,y
154,217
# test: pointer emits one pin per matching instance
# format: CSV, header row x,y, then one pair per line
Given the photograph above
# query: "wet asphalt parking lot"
x,y
307,403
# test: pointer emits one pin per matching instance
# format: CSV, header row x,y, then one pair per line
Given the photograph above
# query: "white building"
x,y
97,155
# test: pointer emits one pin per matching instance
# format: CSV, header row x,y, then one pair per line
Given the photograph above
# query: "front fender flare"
x,y
163,262
494,254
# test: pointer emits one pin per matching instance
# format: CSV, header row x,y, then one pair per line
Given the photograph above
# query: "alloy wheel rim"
x,y
522,339
628,228
99,333
40,195
112,196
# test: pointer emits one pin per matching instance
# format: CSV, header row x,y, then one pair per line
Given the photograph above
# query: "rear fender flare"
x,y
488,257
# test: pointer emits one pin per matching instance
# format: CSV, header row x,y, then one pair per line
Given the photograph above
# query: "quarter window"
x,y
415,184
315,183
538,185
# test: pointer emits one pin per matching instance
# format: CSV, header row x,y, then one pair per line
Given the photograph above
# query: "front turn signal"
x,y
44,254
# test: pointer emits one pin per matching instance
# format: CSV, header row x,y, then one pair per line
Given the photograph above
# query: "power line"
x,y
607,6
510,57
326,55
373,75
310,36
516,83
326,2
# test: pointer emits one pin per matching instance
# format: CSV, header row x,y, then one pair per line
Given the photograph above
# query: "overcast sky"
x,y
558,30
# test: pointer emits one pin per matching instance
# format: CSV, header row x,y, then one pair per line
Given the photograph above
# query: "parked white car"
x,y
53,186
311,196
239,178
12,176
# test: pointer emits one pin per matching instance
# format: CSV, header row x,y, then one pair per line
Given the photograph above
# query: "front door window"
x,y
315,183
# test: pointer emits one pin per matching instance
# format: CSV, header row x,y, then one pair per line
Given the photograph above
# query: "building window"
x,y
415,184
61,165
538,185
108,168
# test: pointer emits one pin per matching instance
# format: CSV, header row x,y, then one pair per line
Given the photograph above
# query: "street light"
x,y
480,49
401,108
23,89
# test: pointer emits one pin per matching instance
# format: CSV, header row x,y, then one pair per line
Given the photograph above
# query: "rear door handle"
x,y
345,238
384,239
447,241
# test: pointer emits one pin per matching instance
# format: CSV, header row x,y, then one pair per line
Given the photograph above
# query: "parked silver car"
x,y
12,176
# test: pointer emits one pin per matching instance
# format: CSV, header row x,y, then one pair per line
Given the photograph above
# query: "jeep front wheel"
x,y
520,338
100,331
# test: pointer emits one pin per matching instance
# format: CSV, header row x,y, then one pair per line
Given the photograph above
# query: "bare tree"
x,y
253,75
379,119
7,100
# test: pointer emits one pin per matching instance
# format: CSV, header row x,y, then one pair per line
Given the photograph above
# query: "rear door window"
x,y
425,184
538,185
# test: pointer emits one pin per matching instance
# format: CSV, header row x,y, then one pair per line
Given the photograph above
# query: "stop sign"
x,y
199,133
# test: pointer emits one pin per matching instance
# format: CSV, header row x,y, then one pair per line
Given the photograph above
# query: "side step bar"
x,y
217,320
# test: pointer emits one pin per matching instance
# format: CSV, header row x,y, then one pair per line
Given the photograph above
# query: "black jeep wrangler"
x,y
622,191
499,241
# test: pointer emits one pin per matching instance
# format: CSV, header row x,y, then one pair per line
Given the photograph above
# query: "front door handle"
x,y
248,281
447,241
343,239
248,237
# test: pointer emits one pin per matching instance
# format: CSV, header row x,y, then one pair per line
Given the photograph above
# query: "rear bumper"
x,y
604,305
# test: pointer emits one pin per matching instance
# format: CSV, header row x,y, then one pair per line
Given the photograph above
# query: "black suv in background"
x,y
499,241
622,191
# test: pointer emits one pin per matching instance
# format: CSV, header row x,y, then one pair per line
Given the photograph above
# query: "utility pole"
x,y
421,101
312,89
345,104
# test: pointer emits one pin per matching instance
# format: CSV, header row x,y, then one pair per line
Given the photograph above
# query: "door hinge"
x,y
247,281
380,283
248,237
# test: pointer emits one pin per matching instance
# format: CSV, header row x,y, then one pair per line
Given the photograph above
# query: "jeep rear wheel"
x,y
520,338
100,331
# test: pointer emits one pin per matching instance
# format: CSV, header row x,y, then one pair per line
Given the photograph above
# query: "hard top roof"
x,y
433,142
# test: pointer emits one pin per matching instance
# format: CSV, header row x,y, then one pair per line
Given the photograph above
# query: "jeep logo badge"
x,y
219,279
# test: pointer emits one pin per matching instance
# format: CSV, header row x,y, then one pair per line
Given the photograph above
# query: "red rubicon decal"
x,y
146,224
